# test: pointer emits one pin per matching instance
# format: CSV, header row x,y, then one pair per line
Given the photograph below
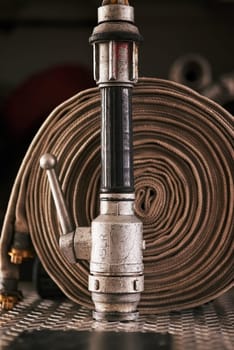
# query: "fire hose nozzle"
x,y
115,241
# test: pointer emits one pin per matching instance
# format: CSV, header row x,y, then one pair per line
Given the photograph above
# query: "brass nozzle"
x,y
115,2
18,255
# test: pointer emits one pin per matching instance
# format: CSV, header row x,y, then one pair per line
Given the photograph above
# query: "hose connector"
x,y
21,248
115,45
9,294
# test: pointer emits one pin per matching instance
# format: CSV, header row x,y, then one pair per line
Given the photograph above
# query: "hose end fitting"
x,y
9,294
21,248
7,301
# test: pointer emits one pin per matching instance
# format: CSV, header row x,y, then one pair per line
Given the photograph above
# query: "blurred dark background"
x,y
45,58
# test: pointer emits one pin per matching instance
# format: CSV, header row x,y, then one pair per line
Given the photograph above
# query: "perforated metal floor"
x,y
210,326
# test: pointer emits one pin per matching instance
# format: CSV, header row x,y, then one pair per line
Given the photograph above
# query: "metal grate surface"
x,y
210,326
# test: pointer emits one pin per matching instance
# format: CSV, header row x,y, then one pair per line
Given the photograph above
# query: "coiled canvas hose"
x,y
183,159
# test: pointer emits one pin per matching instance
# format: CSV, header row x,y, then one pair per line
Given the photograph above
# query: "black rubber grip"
x,y
115,35
117,157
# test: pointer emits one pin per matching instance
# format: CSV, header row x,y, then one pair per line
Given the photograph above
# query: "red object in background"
x,y
29,104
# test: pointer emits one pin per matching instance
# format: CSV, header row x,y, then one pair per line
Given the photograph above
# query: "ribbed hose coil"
x,y
183,168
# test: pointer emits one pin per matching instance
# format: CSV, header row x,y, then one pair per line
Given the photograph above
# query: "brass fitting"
x,y
7,302
18,255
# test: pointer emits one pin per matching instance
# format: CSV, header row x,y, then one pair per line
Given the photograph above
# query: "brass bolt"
x,y
18,255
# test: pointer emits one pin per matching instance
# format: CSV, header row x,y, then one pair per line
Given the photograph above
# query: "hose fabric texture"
x,y
183,158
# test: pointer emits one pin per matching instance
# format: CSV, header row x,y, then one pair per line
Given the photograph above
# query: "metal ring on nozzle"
x,y
115,13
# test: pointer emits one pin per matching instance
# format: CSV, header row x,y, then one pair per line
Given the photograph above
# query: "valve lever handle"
x,y
48,162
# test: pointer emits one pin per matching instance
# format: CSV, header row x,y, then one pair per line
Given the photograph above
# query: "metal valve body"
x,y
116,269
115,241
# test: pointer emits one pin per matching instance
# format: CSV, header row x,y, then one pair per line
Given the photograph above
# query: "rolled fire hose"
x,y
183,162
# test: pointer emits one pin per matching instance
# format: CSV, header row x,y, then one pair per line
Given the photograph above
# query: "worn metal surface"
x,y
116,269
112,65
115,13
210,326
115,50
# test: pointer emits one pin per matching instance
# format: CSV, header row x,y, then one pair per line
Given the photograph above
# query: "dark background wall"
x,y
35,34
39,35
